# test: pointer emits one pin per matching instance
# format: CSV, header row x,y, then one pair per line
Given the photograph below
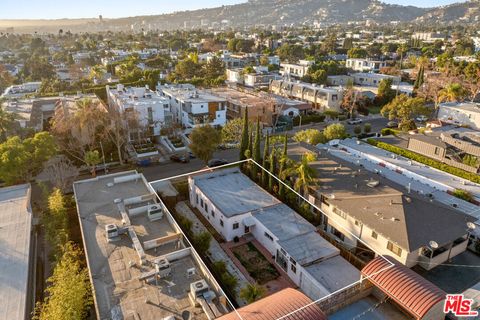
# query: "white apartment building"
x,y
151,109
192,107
365,65
322,98
465,114
296,70
235,206
372,79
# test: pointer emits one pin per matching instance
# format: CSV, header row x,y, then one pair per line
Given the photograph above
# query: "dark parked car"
x,y
217,162
180,158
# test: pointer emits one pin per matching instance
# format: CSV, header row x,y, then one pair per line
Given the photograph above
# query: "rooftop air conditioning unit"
x,y
197,290
155,212
111,232
162,267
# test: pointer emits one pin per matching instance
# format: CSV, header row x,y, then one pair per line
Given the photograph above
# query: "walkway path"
x,y
216,251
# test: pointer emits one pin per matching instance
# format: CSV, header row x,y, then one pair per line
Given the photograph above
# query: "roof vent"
x,y
118,200
394,219
373,183
110,184
377,214
408,199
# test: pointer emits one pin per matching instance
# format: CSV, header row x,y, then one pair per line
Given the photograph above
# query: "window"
x,y
201,203
339,212
221,222
337,233
206,207
358,223
268,236
235,225
293,268
437,151
197,198
213,213
394,248
374,235
293,261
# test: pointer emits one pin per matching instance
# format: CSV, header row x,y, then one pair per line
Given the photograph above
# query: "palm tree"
x,y
452,93
303,173
252,292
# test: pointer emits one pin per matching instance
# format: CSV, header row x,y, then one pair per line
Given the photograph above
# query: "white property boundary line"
x,y
302,197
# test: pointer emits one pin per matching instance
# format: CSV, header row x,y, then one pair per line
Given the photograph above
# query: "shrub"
x,y
357,130
463,194
367,128
309,118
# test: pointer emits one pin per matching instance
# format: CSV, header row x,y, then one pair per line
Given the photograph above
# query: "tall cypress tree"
x,y
256,150
271,179
245,136
266,149
281,167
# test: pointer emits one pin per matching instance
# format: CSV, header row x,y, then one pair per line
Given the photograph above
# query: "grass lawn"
x,y
256,264
374,110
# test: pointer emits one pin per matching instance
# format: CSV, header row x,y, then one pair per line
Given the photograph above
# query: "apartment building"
x,y
358,204
365,65
296,70
235,206
322,98
259,79
463,114
139,262
150,110
450,148
373,79
268,108
192,107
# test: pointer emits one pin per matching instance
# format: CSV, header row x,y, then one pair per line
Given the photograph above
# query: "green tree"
x,y
245,136
356,52
303,173
252,292
7,123
453,92
404,108
271,179
385,92
232,131
256,149
205,140
282,165
55,221
68,296
92,158
266,150
311,136
367,128
335,131
201,242
214,68
357,130
420,78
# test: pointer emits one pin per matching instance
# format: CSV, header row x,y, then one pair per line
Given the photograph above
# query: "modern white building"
x,y
151,109
296,70
192,107
235,206
20,90
464,114
372,79
365,65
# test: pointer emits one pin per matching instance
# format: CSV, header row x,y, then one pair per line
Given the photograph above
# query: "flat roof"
x,y
466,106
232,192
15,226
309,247
115,267
334,273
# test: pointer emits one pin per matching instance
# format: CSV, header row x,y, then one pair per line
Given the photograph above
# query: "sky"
x,y
57,9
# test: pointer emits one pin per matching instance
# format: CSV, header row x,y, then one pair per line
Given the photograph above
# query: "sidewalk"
x,y
216,251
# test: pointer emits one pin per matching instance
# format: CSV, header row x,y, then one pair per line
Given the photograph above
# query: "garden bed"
x,y
255,263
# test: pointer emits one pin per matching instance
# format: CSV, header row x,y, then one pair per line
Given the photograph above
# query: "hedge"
x,y
309,118
425,160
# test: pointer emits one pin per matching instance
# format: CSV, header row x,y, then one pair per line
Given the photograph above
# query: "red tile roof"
x,y
279,305
410,290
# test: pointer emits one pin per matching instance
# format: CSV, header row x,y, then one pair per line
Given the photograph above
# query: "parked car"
x,y
191,155
354,121
392,124
217,162
421,118
180,158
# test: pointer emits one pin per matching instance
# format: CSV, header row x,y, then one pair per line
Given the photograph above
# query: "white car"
x,y
354,121
421,118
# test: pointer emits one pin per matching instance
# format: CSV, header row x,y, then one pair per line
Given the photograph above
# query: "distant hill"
x,y
266,12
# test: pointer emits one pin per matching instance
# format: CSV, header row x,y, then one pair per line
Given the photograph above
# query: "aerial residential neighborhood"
x,y
240,160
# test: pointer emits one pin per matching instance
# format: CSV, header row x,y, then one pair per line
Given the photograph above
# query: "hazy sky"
x,y
55,9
